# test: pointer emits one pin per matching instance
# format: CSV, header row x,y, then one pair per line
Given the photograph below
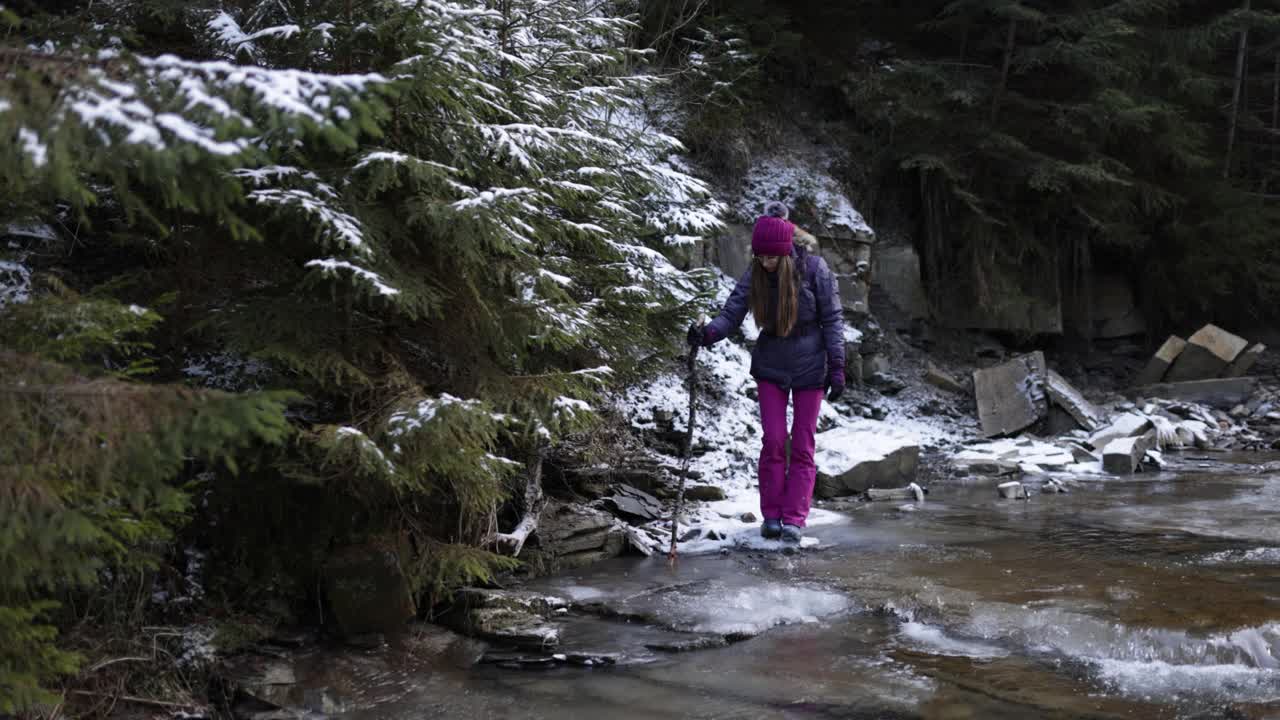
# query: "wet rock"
x,y
1012,490
1159,363
366,590
704,493
1065,396
690,644
912,492
1123,456
941,379
635,505
1207,354
748,517
1011,395
851,461
1245,361
267,680
1122,426
537,603
512,627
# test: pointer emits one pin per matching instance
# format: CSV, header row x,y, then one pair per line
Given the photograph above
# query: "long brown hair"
x,y
788,297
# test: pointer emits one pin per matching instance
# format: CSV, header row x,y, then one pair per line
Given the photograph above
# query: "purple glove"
x,y
835,384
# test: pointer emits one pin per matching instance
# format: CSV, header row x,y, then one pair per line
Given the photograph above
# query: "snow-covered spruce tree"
x,y
442,224
118,157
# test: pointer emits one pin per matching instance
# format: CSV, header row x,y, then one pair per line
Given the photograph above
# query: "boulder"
x,y
939,378
1244,361
1123,456
1012,490
1207,354
852,460
897,272
1222,393
510,617
1159,363
1065,396
1011,396
367,590
1122,426
571,535
874,364
513,627
705,493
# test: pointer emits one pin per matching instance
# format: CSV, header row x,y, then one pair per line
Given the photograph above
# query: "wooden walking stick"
x,y
688,445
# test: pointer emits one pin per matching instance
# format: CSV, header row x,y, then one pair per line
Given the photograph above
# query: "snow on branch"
x,y
331,266
332,224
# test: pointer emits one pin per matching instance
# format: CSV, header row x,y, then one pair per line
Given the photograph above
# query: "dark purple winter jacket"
x,y
815,347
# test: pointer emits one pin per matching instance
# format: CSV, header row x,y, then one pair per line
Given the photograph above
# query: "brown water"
x,y
1156,597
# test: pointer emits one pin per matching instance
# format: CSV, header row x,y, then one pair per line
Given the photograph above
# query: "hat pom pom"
x,y
773,208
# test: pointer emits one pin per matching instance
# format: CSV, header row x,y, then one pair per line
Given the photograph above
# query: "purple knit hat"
x,y
773,233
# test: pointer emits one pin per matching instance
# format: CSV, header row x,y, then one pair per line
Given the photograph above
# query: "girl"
x,y
794,300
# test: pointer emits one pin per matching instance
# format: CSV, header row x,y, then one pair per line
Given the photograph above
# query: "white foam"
x,y
932,639
751,609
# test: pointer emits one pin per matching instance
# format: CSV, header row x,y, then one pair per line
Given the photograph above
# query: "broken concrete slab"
x,y
1208,352
852,460
985,465
1244,361
1122,426
1012,490
1221,393
1123,456
1064,395
1159,363
1011,396
1083,454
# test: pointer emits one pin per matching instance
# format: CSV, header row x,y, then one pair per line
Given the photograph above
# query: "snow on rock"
x,y
852,459
15,283
803,182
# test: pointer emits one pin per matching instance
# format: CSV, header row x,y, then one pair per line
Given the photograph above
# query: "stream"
x,y
1151,597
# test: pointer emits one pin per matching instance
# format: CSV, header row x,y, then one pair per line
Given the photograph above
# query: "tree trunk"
x,y
1235,96
998,95
513,542
1275,118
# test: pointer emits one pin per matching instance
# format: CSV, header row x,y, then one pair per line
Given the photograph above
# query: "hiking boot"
x,y
792,533
771,529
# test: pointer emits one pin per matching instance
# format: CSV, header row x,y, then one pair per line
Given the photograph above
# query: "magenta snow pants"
x,y
787,488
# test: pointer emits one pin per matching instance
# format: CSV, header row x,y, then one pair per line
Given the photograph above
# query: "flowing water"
x,y
1151,597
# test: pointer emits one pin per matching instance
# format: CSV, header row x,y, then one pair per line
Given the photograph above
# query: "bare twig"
x,y
136,700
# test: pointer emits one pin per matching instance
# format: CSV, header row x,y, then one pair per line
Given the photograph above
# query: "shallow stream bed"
x,y
1151,597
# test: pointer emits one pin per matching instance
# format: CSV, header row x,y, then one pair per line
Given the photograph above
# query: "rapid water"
x,y
1151,597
